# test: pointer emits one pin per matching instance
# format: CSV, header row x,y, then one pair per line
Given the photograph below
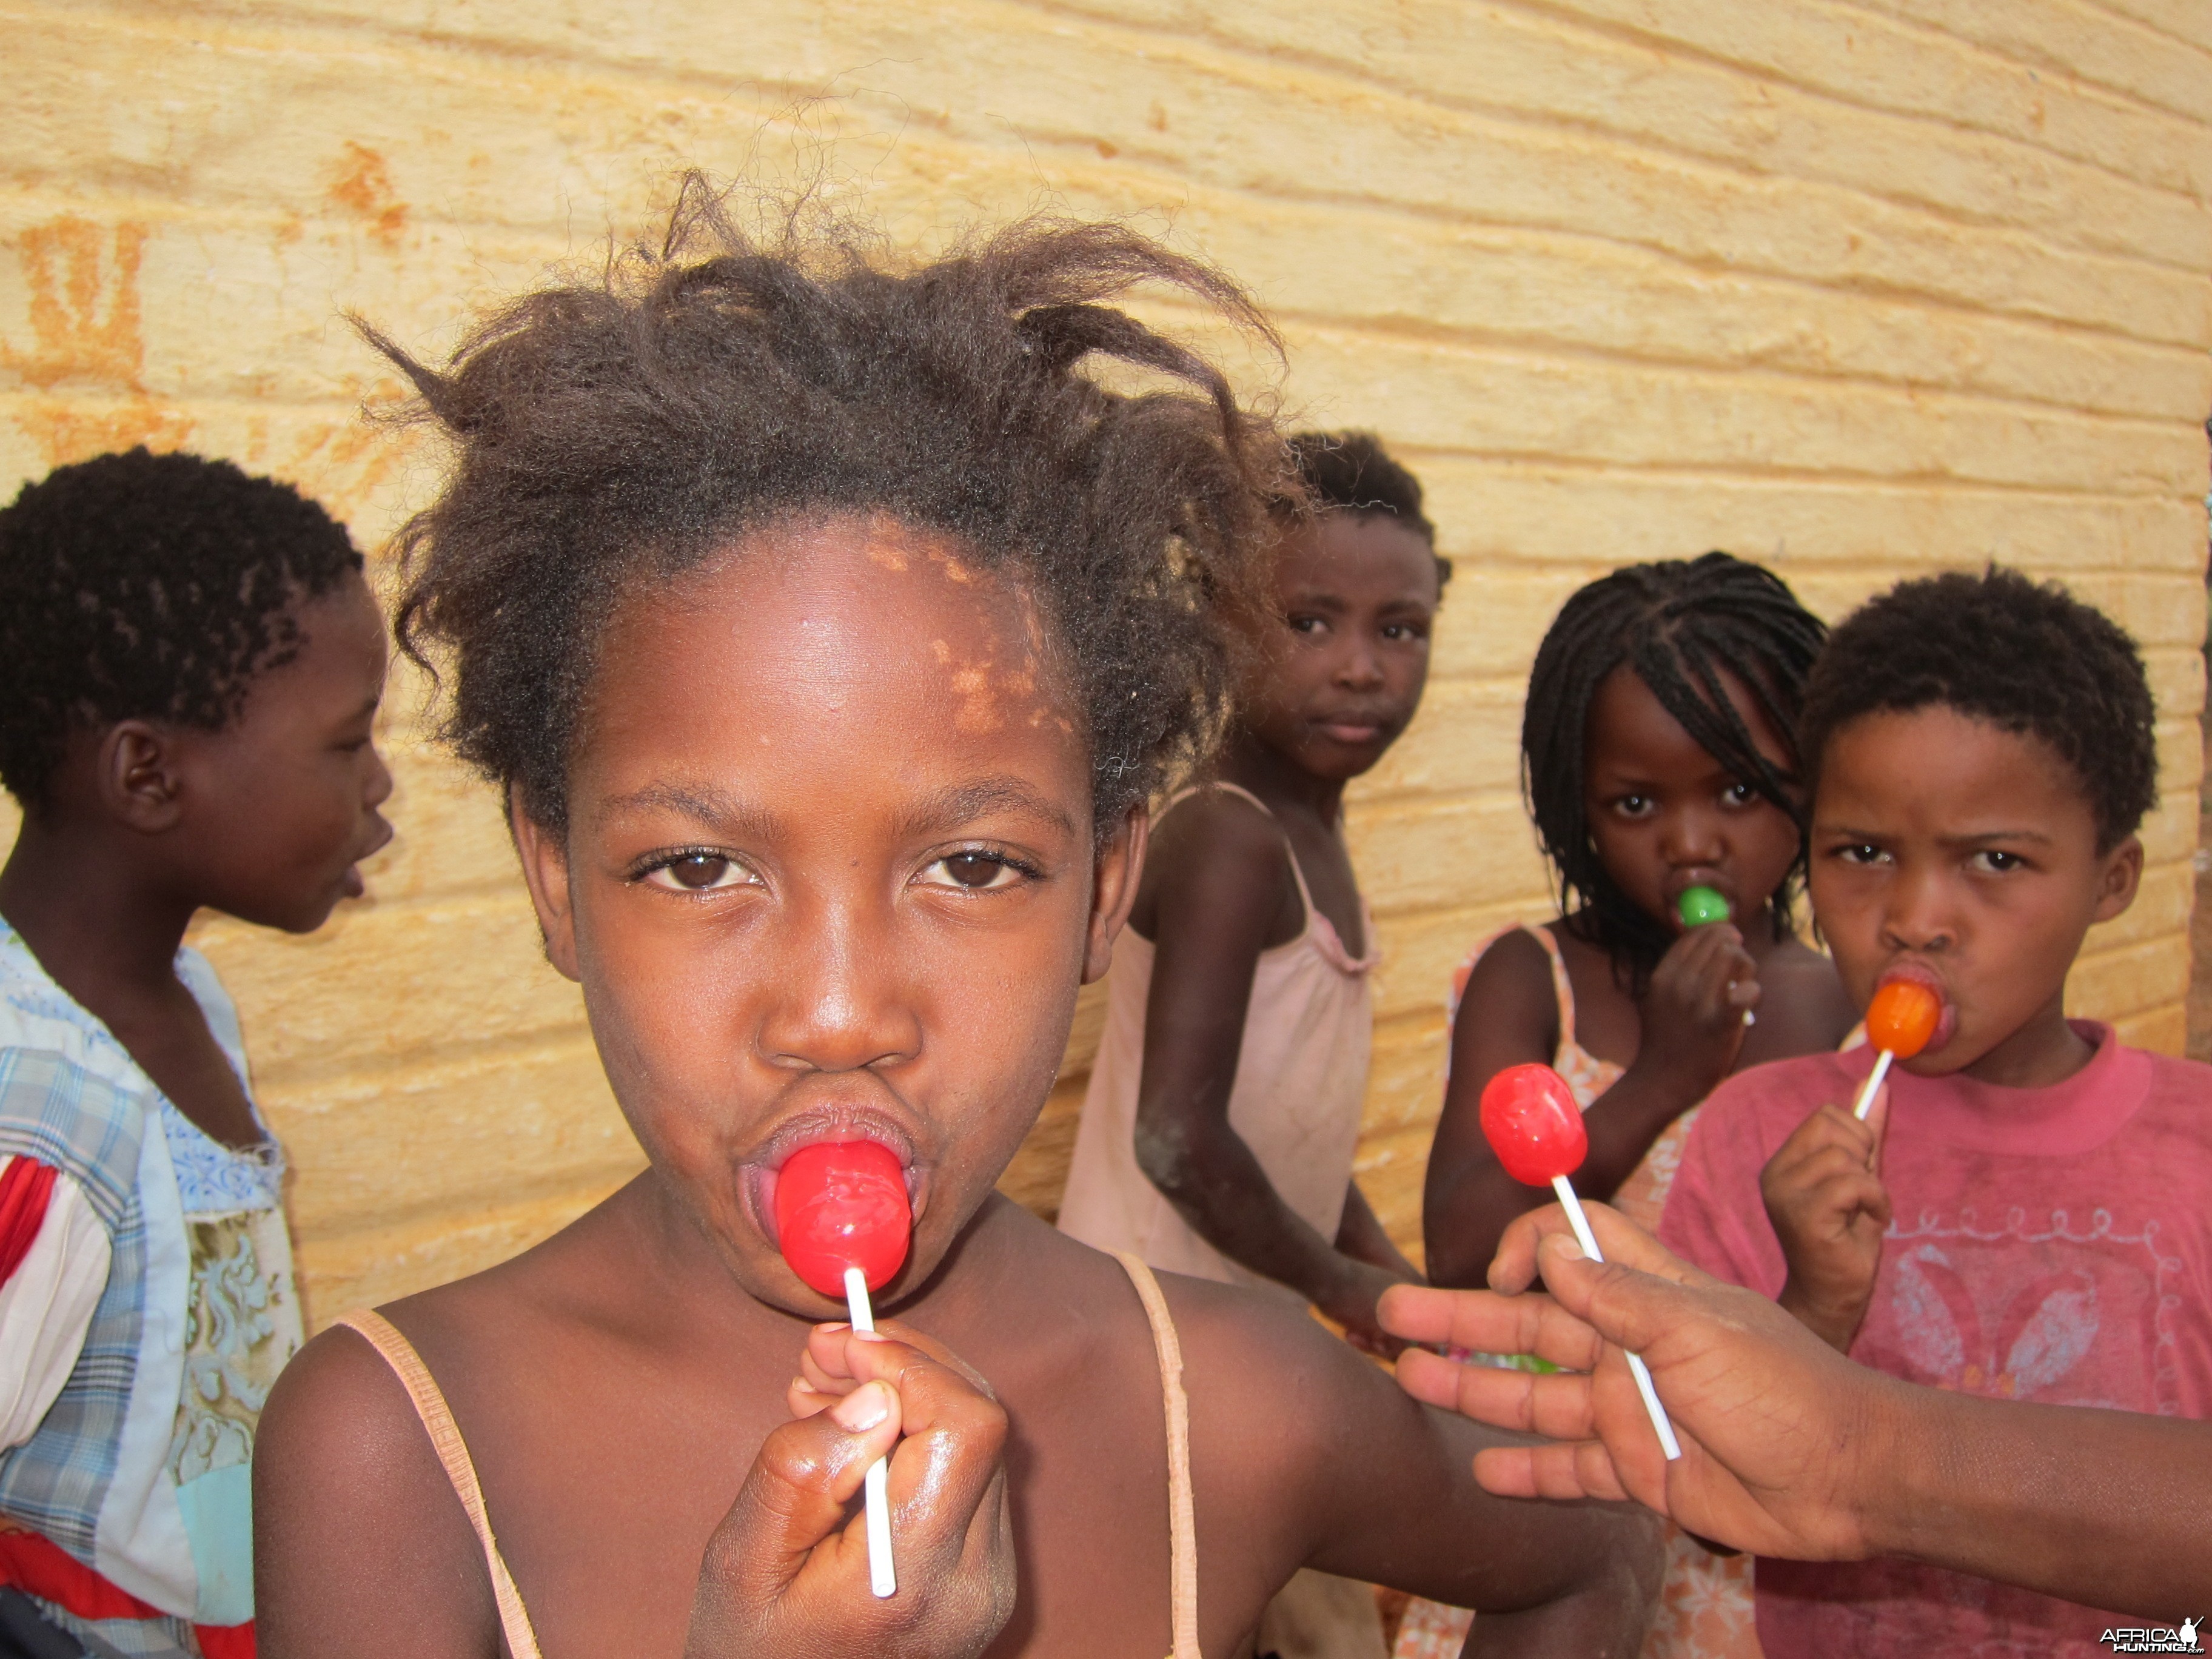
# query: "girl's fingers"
x,y
795,1498
949,1464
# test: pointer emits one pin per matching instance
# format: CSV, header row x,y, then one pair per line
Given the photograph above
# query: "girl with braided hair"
x,y
1657,755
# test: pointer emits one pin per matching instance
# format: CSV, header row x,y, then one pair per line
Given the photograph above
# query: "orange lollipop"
x,y
1901,1019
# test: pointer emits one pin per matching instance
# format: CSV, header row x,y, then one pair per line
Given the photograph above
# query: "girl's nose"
x,y
1690,836
839,1003
379,780
1359,669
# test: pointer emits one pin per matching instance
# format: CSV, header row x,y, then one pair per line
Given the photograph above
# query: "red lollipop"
x,y
842,1204
1531,1122
843,1222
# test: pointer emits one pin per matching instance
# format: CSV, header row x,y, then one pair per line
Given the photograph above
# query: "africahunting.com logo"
x,y
2155,1638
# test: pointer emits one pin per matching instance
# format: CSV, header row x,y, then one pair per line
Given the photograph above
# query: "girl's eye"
x,y
975,871
698,873
1740,795
1633,806
1991,862
1306,624
1860,852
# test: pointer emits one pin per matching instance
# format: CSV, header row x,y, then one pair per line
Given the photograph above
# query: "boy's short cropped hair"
x,y
2022,655
146,586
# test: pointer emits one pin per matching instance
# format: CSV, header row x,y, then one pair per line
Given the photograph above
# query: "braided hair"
x,y
1680,625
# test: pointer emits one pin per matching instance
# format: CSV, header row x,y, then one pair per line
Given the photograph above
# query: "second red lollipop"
x,y
1531,1122
1534,1125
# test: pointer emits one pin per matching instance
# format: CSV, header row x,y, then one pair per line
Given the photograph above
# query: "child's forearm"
x,y
1606,1616
1361,1236
2110,1509
1463,1221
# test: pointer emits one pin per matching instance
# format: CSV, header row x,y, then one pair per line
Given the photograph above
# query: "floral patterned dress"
x,y
1704,1609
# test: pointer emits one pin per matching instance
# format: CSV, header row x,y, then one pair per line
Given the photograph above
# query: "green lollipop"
x,y
1699,905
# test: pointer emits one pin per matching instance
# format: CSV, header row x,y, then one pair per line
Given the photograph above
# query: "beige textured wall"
x,y
1859,287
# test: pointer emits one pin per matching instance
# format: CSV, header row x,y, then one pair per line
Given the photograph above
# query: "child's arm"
x,y
1224,871
1824,1196
54,1257
360,1547
1790,1450
1305,1454
1692,1025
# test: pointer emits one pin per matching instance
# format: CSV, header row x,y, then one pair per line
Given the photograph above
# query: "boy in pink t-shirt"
x,y
2026,1214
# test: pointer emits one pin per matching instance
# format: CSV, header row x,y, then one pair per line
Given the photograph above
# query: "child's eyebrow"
x,y
1969,838
964,803
702,804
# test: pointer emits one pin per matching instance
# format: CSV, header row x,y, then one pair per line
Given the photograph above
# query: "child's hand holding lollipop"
x,y
785,1567
1823,1188
786,1571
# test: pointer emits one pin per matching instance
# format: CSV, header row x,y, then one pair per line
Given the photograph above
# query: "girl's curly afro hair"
x,y
622,432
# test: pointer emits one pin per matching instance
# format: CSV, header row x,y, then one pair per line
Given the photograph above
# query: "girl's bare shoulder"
x,y
1804,994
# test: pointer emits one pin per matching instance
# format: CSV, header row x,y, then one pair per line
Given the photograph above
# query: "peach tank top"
x,y
1301,1082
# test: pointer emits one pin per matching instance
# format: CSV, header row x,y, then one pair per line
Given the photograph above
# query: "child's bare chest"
x,y
604,1520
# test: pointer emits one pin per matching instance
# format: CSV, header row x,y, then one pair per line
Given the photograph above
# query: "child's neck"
x,y
1277,779
104,931
2043,1053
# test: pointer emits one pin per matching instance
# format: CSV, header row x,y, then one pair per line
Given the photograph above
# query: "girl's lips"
x,y
1347,733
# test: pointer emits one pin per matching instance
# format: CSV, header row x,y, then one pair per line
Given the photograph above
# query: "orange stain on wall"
x,y
364,187
86,334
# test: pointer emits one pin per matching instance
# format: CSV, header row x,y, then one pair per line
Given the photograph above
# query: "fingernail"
x,y
1569,1249
862,1409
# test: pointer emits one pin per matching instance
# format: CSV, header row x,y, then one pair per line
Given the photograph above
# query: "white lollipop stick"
x,y
881,1579
1874,1082
1588,1240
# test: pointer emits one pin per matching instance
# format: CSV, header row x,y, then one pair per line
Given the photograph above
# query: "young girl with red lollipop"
x,y
827,624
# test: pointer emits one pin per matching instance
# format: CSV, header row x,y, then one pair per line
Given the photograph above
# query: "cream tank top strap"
x,y
452,1452
1182,1513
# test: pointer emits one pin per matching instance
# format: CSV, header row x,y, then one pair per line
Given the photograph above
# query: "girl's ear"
x,y
1114,889
2123,872
545,869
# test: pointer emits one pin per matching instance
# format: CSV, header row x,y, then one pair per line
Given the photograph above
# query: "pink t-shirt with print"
x,y
2047,1244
